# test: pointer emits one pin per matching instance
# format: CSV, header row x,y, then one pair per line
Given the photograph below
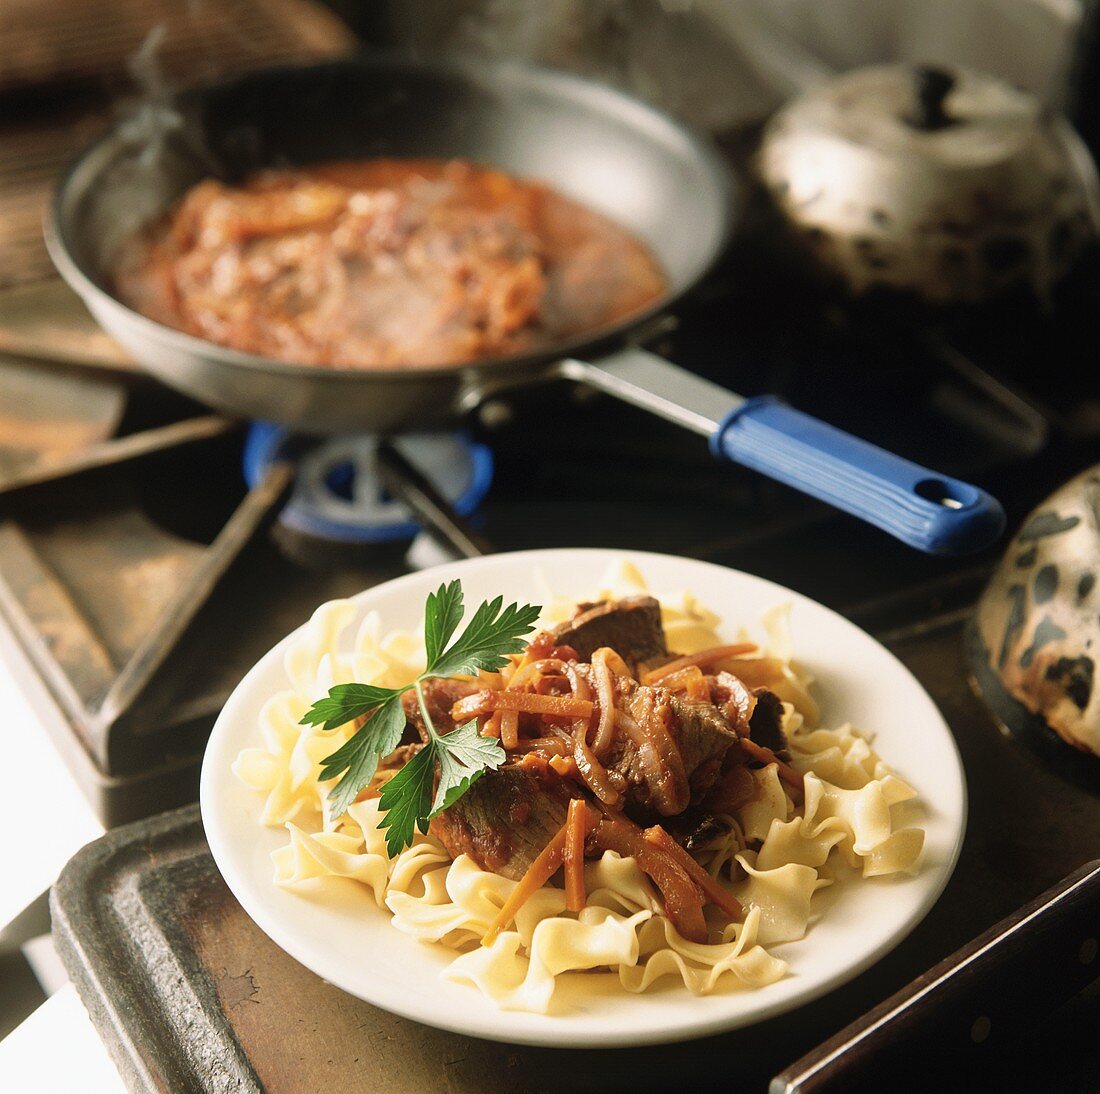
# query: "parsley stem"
x,y
424,710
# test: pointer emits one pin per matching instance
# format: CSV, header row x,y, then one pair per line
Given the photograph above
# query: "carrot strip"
x,y
533,670
713,891
703,657
481,702
690,681
565,766
494,681
766,755
492,726
509,727
756,672
538,874
562,706
576,828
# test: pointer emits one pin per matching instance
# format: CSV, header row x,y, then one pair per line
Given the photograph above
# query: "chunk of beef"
x,y
657,778
389,766
506,818
701,735
631,627
439,697
766,724
705,737
733,699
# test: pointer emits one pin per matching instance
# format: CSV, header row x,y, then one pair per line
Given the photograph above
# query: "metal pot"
x,y
941,182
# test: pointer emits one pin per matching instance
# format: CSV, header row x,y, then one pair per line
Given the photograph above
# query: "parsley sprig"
x,y
411,798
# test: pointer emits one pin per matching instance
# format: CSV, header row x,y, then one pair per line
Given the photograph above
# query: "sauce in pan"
x,y
386,263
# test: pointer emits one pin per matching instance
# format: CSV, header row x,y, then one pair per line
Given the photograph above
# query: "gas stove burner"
x,y
338,496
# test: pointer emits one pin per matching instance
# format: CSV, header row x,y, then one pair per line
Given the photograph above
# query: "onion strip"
x,y
713,891
659,755
595,775
531,669
683,899
605,690
509,727
579,684
549,746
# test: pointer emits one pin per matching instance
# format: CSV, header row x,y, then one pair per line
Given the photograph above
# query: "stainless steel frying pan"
x,y
590,142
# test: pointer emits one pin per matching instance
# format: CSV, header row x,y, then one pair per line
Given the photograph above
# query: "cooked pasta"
x,y
832,815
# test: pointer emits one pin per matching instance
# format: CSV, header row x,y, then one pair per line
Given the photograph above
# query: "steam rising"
x,y
672,53
153,121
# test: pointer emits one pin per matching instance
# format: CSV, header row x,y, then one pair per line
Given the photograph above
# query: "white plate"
x,y
346,939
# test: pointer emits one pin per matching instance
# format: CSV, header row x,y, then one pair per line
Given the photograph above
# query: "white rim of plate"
x,y
551,1030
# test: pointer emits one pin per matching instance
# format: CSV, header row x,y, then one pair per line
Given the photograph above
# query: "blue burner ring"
x,y
323,502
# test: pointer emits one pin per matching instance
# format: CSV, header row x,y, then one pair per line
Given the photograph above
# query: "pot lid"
x,y
948,118
941,180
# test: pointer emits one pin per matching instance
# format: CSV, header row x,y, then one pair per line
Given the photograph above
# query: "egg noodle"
x,y
776,854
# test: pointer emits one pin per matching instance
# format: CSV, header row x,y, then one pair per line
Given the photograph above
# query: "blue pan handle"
x,y
926,510
931,512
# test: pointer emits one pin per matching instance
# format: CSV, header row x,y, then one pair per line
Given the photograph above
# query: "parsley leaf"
x,y
464,756
411,797
442,614
489,637
407,800
344,703
357,760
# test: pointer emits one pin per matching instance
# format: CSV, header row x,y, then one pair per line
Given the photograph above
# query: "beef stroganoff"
x,y
691,842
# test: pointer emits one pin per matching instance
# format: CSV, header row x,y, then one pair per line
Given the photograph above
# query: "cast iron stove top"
x,y
140,577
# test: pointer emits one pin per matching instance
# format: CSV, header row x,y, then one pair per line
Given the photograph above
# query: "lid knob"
x,y
931,86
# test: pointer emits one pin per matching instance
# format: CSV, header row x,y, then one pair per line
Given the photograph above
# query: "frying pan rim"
x,y
58,227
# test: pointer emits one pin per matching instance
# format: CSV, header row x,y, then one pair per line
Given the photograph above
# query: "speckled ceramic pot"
x,y
1035,638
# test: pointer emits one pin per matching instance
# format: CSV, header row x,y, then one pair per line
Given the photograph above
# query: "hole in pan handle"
x,y
922,508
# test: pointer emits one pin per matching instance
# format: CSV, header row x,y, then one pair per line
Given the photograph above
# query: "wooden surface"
x,y
167,42
69,67
190,995
47,321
